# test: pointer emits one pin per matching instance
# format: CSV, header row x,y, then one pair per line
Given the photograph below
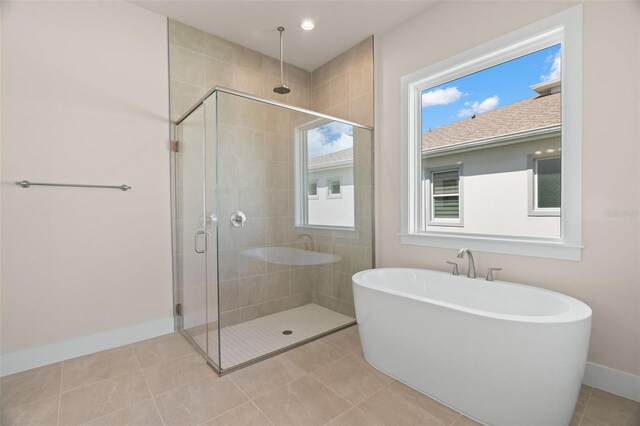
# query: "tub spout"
x,y
471,271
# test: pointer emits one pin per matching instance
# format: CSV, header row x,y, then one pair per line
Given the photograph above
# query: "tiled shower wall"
x,y
249,288
199,61
343,87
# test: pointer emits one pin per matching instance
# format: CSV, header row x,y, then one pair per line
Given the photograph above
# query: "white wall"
x,y
333,211
84,100
495,191
608,276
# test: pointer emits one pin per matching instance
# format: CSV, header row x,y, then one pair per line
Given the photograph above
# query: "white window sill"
x,y
535,247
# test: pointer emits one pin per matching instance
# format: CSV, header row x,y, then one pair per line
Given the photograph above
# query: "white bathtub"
x,y
501,353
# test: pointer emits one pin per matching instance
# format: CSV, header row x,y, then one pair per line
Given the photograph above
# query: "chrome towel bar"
x,y
27,184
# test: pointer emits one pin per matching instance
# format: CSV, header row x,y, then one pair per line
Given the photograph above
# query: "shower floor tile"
x,y
252,339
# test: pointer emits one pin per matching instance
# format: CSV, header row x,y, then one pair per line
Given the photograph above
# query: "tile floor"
x,y
252,339
163,381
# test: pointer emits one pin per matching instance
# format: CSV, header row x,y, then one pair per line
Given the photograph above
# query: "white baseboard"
x,y
15,362
613,381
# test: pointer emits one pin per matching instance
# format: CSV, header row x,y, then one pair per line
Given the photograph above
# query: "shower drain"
x,y
287,332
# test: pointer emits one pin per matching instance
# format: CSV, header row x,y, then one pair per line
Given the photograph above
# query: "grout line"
x,y
586,405
251,400
60,393
155,404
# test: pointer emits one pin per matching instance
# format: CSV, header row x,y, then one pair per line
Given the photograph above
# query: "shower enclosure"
x,y
272,215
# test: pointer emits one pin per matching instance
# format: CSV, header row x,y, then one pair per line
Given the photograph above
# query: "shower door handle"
x,y
206,241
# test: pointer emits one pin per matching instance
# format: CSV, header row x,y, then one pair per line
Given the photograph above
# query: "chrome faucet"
x,y
312,244
471,272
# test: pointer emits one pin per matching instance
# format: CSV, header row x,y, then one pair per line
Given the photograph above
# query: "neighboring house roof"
x,y
528,114
334,157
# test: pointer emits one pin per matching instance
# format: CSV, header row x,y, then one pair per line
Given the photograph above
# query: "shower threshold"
x,y
253,340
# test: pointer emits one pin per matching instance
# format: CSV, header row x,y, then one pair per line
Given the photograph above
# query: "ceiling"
x,y
339,24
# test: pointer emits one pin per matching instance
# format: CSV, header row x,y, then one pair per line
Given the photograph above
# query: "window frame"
x,y
429,205
301,176
331,195
532,179
565,28
315,196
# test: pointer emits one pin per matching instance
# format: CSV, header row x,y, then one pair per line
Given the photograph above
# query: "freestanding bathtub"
x,y
501,353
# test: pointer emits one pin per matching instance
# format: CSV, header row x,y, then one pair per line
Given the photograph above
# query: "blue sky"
x,y
489,89
328,138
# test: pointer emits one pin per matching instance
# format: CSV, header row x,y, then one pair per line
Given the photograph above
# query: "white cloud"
x,y
556,69
322,142
441,96
479,107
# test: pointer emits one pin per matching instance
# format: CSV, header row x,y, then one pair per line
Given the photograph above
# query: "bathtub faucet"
x,y
471,272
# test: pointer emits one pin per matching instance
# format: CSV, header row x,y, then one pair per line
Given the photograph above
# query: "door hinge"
x,y
175,146
178,308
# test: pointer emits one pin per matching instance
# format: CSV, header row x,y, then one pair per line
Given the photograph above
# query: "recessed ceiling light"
x,y
307,25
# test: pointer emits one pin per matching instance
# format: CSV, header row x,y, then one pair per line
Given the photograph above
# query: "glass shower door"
x,y
196,251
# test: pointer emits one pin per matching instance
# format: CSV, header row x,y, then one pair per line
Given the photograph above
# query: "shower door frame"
x,y
179,326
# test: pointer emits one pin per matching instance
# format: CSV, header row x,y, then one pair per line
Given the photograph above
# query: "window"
x,y
490,108
444,193
334,188
547,173
545,192
313,189
324,166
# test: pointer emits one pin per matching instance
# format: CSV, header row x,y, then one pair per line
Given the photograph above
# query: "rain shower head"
x,y
281,88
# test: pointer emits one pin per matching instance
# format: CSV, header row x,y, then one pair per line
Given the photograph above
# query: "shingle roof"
x,y
334,157
527,114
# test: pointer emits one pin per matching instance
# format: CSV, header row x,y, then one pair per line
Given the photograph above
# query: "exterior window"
x,y
334,188
324,175
510,111
547,184
313,189
445,193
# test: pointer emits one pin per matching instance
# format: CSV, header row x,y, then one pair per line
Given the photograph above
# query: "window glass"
x,y
548,182
494,121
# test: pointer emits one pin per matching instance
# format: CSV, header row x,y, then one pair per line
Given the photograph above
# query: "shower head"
x,y
281,88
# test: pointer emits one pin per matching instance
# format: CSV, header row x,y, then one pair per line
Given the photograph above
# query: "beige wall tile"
x,y
229,295
219,73
221,49
249,81
362,109
253,290
277,285
250,59
183,96
186,66
341,89
185,36
297,76
322,97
